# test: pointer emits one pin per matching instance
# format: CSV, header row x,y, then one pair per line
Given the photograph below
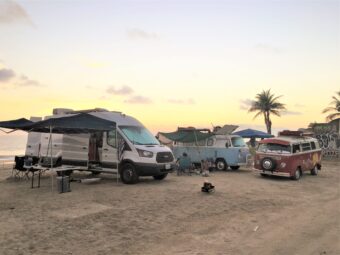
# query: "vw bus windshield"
x,y
275,148
139,135
238,142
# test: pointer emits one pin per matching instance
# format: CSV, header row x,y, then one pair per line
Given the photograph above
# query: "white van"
x,y
129,149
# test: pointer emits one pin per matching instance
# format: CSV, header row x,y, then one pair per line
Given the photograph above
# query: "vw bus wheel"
x,y
128,174
160,177
297,175
235,167
221,165
314,171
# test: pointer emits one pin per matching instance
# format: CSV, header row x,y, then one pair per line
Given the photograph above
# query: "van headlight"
x,y
146,154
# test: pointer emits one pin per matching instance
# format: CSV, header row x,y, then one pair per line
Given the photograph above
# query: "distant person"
x,y
205,167
184,163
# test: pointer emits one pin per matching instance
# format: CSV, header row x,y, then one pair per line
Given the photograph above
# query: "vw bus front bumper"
x,y
275,173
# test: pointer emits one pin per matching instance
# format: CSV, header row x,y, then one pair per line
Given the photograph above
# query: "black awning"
x,y
72,124
15,124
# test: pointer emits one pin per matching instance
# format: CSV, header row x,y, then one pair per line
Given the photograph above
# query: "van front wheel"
x,y
128,174
297,175
221,164
160,177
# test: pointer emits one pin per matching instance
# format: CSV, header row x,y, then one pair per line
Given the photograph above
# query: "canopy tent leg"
x,y
51,157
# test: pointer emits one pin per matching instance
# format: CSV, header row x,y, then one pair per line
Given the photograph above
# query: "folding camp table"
x,y
33,169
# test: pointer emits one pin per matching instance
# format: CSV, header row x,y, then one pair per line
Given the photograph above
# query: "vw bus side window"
x,y
317,145
305,146
296,148
210,142
201,143
238,142
313,145
111,138
274,148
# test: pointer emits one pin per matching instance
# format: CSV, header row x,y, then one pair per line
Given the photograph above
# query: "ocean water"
x,y
12,144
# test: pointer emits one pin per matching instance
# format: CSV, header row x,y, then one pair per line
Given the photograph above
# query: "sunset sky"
x,y
170,63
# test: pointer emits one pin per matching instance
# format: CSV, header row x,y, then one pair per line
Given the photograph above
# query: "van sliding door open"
x,y
109,151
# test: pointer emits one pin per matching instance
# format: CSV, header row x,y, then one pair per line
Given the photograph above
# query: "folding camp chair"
x,y
185,166
18,170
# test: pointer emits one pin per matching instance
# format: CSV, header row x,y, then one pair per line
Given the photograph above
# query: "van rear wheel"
x,y
314,171
160,177
128,174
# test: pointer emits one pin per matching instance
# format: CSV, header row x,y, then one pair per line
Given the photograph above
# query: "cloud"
x,y
245,104
138,100
299,105
6,74
291,113
124,90
12,12
104,98
181,101
24,81
136,34
266,48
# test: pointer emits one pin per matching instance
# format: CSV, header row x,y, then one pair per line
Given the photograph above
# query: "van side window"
x,y
306,147
313,145
210,142
122,144
111,138
296,148
201,143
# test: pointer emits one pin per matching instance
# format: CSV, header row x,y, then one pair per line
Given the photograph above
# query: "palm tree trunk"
x,y
268,122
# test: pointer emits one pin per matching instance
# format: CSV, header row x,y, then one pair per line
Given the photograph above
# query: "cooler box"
x,y
63,184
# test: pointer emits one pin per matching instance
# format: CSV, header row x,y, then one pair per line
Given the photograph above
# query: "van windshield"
x,y
139,135
275,148
238,142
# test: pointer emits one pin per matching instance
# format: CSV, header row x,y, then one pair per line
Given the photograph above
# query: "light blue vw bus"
x,y
224,150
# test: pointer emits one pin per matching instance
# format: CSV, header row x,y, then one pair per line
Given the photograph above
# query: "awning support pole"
x,y
51,156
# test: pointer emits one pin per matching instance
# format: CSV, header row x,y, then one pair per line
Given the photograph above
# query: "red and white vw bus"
x,y
290,154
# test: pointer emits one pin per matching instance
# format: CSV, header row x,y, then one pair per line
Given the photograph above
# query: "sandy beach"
x,y
247,214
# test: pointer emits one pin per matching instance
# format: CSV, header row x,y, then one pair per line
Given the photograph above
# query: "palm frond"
x,y
257,114
333,116
275,112
329,109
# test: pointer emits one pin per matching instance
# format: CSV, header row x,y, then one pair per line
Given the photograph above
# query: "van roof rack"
x,y
57,111
291,133
193,129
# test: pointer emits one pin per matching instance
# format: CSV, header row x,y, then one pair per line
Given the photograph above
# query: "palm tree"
x,y
267,103
334,108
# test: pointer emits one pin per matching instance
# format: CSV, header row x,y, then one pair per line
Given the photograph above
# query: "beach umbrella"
x,y
252,133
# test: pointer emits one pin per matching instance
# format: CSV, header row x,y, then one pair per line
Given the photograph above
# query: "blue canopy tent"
x,y
252,133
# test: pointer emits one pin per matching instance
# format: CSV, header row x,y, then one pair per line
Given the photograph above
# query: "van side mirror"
x,y
227,145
